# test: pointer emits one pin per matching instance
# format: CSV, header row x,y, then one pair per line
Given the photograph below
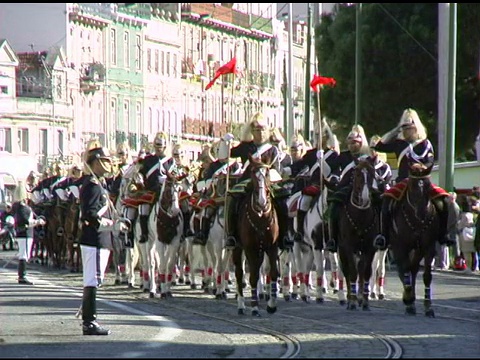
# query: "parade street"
x,y
39,322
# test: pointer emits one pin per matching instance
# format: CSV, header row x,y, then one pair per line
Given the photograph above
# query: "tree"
x,y
399,67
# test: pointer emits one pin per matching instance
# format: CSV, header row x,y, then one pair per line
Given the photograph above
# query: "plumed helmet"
x,y
357,134
276,137
100,153
256,121
20,192
160,140
122,149
409,119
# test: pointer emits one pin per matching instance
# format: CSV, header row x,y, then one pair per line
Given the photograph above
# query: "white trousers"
x,y
94,262
25,245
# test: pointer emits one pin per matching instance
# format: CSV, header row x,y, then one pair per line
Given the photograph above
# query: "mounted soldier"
x,y
153,169
255,142
344,163
409,142
213,185
311,161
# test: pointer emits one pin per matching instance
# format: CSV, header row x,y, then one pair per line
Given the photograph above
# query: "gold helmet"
x,y
357,135
123,149
277,138
160,140
257,121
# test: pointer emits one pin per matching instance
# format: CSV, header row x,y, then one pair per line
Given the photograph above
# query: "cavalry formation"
x,y
273,215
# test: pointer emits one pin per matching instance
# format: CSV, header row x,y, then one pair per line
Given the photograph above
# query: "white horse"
x,y
166,226
377,280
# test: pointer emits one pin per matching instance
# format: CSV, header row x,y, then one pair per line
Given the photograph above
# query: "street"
x,y
39,321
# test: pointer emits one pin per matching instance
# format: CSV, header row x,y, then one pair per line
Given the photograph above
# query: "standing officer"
x,y
97,226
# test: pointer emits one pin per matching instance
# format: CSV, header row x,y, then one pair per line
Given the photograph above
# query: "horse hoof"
x,y
241,312
152,295
218,296
410,311
320,300
351,307
366,307
188,282
146,290
228,290
324,291
174,283
193,287
332,284
373,295
244,285
271,310
181,281
163,296
214,291
304,298
335,291
381,297
294,296
430,313
224,296
256,313
261,297
229,282
287,298
169,294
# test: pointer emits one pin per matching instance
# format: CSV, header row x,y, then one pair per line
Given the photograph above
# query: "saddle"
x,y
398,191
139,197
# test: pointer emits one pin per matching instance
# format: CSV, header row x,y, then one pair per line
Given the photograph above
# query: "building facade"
x,y
122,72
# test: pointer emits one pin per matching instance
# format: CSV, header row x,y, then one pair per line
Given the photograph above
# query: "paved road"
x,y
38,321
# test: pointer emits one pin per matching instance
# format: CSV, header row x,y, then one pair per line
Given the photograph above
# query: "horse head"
x,y
260,175
170,199
362,184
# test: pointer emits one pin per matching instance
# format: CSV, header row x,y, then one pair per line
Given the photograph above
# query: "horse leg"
x,y
365,274
349,270
427,281
319,257
254,264
238,263
374,287
408,280
273,273
334,269
285,273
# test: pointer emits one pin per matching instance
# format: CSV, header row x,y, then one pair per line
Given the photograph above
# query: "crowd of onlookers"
x,y
466,254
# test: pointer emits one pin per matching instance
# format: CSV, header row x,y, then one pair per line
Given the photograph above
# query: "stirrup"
x,y
380,242
230,242
331,246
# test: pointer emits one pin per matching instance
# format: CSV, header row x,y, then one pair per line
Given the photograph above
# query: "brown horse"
x,y
55,234
258,232
413,235
359,222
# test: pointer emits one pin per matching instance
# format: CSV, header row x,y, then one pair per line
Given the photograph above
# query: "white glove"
x,y
106,224
320,154
162,178
40,222
228,137
120,226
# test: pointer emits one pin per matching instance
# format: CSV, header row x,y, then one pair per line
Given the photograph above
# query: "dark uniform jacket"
x,y
93,206
343,165
151,168
423,149
217,165
245,148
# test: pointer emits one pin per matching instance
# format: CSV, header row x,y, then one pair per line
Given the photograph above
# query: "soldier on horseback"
x,y
312,160
254,142
212,192
345,162
154,169
408,140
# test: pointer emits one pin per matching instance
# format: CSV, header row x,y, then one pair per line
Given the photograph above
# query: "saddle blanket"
x,y
147,197
311,190
398,191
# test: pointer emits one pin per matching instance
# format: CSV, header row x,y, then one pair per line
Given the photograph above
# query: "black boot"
x,y
144,227
186,224
282,213
332,243
381,241
445,237
89,313
201,235
300,220
230,242
22,271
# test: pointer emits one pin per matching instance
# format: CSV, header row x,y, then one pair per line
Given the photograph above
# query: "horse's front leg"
x,y
285,261
407,276
254,264
349,269
365,273
272,301
319,257
238,263
427,281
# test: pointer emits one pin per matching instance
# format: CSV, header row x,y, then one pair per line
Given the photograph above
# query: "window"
x,y
60,141
43,142
138,119
167,63
138,52
113,47
149,60
126,49
113,113
150,120
162,61
126,115
23,140
174,63
156,61
4,90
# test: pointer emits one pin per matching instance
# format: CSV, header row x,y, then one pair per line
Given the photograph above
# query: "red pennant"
x,y
321,80
228,68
